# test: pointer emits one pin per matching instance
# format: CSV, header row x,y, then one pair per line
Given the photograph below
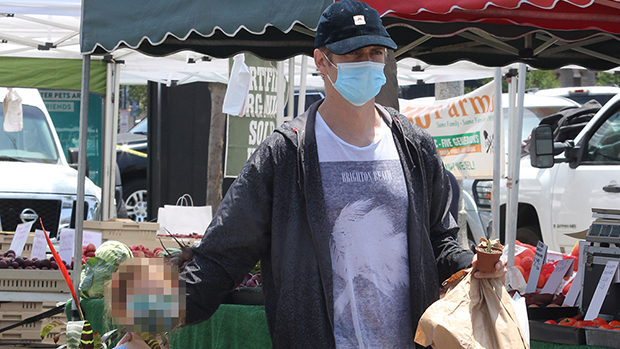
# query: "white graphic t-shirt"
x,y
366,199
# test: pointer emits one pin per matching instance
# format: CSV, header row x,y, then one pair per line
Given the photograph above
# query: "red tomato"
x,y
615,323
551,322
606,326
566,288
517,261
567,321
598,322
542,280
527,253
526,263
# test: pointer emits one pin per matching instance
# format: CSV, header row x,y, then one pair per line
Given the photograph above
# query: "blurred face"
x,y
146,296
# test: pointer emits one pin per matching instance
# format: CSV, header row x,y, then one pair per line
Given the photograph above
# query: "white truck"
x,y
35,178
570,178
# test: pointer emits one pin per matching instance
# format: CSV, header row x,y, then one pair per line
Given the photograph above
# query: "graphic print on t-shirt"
x,y
367,205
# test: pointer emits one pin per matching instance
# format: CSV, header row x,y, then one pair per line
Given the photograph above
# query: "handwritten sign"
x,y
65,251
562,269
91,237
539,260
601,290
19,238
39,245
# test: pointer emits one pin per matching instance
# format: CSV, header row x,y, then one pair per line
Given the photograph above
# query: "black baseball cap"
x,y
348,25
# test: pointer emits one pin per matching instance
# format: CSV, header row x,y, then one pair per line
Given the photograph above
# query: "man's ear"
x,y
320,61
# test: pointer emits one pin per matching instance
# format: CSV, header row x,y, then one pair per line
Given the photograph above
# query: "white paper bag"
x,y
13,114
184,218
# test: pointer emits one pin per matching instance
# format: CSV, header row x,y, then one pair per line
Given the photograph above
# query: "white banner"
x,y
462,128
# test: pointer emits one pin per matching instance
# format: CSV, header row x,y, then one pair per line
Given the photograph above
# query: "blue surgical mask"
x,y
358,82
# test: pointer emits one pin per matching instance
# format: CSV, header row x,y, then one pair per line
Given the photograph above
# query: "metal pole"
x,y
498,154
79,210
515,156
291,89
116,101
280,94
301,104
106,199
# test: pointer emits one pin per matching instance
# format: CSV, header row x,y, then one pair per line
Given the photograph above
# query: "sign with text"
x,y
91,237
245,133
19,238
601,290
539,260
39,245
462,128
67,242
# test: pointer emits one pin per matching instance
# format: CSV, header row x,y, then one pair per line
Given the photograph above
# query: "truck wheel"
x,y
529,234
136,199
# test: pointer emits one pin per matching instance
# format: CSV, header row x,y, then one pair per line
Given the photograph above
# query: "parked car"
x,y
132,161
582,94
555,204
36,180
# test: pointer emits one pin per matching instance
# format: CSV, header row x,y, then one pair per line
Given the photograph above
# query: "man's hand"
x,y
500,271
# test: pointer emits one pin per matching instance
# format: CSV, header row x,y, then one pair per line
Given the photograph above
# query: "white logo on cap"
x,y
359,20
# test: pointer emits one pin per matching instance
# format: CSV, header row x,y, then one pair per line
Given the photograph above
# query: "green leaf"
x,y
47,328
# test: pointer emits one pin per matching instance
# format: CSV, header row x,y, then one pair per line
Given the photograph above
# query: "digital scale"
x,y
604,245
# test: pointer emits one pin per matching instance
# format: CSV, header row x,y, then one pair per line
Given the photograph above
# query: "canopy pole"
x,y
106,198
280,94
497,153
516,126
301,103
79,210
290,110
116,101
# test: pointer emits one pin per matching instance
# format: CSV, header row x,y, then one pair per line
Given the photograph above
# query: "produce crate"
x,y
126,231
5,243
21,307
540,331
601,337
14,312
49,281
29,332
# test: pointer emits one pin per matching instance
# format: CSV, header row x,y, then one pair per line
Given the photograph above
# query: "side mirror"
x,y
72,158
541,148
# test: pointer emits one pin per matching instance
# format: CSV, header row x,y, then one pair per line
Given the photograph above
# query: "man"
x,y
346,206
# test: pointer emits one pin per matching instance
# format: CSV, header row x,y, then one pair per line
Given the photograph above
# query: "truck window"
x,y
604,146
33,143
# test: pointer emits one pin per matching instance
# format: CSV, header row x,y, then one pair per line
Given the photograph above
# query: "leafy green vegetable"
x,y
113,252
95,274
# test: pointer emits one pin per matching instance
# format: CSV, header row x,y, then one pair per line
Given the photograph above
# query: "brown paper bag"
x,y
476,313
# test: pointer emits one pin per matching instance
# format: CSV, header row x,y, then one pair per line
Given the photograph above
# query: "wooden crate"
x,y
126,231
48,281
5,243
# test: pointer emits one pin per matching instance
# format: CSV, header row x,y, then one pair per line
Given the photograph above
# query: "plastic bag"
x,y
238,87
476,313
13,114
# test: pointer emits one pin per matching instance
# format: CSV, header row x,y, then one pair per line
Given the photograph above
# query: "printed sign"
x,y
39,245
19,238
601,290
539,260
245,133
91,237
462,128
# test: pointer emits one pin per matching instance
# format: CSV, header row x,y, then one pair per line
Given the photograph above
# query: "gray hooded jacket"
x,y
274,212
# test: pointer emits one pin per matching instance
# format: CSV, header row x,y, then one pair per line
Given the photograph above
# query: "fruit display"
x,y
142,251
176,235
525,259
253,278
8,260
577,321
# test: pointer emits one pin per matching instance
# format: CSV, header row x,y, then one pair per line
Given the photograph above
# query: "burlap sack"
x,y
476,313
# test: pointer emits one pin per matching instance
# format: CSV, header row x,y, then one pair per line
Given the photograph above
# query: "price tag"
x,y
601,290
91,237
65,251
539,260
562,269
39,245
19,238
